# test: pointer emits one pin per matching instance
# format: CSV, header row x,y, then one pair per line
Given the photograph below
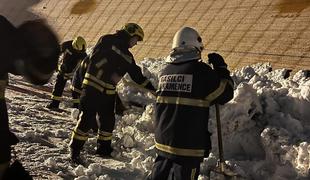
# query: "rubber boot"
x,y
53,105
75,149
104,149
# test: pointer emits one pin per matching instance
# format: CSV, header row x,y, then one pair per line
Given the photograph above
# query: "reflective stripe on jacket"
x,y
185,93
109,62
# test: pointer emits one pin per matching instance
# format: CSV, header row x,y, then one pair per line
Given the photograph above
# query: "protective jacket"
x,y
110,61
70,59
186,91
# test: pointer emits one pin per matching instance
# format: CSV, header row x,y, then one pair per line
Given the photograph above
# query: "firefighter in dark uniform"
x,y
187,88
109,62
76,86
73,52
30,50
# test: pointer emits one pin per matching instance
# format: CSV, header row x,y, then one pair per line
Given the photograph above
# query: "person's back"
x,y
109,61
187,88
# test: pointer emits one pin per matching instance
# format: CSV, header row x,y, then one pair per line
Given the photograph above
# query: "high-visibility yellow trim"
x,y
57,98
102,62
193,173
104,138
103,84
180,151
98,87
119,52
79,137
110,92
79,131
75,89
145,83
212,96
182,101
89,83
68,51
99,74
104,133
77,101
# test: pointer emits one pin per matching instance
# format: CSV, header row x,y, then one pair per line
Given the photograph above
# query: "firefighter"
x,y
30,50
109,62
76,87
187,88
72,53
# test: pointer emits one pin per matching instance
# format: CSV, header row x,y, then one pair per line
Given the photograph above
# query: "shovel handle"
x,y
219,136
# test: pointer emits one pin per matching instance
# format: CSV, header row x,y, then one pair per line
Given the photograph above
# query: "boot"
x,y
75,105
104,149
53,105
75,157
75,149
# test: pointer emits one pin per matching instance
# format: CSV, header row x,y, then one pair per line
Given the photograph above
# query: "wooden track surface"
x,y
243,31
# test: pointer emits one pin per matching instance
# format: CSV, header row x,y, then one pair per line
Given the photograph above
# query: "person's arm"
x,y
137,76
225,90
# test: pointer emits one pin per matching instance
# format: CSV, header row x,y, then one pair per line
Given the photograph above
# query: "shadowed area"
x,y
83,6
293,6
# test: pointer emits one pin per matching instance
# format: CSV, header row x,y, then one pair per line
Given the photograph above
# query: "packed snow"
x,y
266,129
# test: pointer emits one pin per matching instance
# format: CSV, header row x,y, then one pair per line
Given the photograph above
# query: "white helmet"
x,y
187,37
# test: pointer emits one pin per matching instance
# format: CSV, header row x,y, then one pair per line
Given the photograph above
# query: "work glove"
x,y
216,60
150,87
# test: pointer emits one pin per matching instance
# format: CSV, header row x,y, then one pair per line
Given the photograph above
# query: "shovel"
x,y
221,167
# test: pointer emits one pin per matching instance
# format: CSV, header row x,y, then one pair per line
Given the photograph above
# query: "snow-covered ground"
x,y
266,130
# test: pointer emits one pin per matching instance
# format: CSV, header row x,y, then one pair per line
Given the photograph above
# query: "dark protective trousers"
x,y
7,137
59,88
59,85
166,169
95,103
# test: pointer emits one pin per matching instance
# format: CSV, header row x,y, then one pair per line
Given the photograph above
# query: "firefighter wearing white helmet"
x,y
108,63
73,52
186,90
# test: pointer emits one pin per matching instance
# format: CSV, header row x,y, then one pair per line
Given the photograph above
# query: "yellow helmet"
x,y
79,43
134,29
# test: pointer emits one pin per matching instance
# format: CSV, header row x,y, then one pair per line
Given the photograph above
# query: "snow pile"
x,y
265,130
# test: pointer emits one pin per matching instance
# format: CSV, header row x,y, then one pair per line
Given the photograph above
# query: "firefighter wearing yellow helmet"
x,y
109,62
73,52
134,29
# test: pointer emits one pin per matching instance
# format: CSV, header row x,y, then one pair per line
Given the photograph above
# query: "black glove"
x,y
150,86
216,60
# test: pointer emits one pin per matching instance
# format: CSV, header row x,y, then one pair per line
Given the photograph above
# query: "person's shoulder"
x,y
204,65
106,38
5,23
